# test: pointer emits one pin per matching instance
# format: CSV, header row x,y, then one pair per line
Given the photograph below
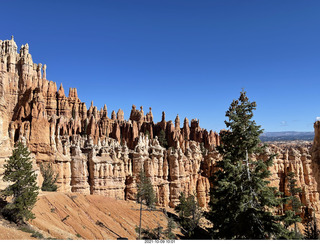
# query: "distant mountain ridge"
x,y
287,136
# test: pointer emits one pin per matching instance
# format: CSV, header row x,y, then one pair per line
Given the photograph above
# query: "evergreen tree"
x,y
145,194
311,231
23,190
292,214
241,201
49,178
145,190
162,139
170,227
189,214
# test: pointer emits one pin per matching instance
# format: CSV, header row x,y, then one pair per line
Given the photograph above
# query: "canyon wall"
x,y
97,154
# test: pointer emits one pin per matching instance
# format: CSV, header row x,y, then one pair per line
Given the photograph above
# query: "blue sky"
x,y
190,58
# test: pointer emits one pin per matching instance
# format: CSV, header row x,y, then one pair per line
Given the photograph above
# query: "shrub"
x,y
49,178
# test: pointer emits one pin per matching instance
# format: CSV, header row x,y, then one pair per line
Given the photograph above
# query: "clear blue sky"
x,y
186,57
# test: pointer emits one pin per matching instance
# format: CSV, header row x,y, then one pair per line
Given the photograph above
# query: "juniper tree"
x,y
241,201
23,189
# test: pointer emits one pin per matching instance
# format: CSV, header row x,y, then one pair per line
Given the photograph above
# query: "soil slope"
x,y
75,216
10,232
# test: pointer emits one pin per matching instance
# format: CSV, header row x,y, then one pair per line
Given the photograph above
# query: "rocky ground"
x,y
84,217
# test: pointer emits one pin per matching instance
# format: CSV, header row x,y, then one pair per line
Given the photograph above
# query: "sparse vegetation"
x,y
37,235
151,234
162,139
158,233
203,150
49,178
29,229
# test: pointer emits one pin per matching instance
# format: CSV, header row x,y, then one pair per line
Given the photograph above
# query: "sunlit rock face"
x,y
92,153
97,154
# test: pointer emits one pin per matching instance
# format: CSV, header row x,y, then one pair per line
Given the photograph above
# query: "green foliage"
x,y
145,190
170,227
28,229
23,190
311,231
241,201
158,233
162,139
49,178
145,194
147,133
37,234
203,150
73,113
292,215
152,234
189,214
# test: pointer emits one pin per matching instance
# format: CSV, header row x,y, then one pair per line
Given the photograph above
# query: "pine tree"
x,y
292,215
145,194
189,214
23,190
241,201
145,190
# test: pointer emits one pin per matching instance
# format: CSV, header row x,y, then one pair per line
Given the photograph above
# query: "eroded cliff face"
x,y
92,153
295,158
95,154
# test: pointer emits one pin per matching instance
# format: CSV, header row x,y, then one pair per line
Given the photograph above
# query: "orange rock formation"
x,y
95,154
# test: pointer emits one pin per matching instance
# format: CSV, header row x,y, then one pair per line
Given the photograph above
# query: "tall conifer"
x,y
23,188
241,201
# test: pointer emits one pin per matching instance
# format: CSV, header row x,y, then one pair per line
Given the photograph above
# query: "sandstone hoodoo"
x,y
92,152
97,154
